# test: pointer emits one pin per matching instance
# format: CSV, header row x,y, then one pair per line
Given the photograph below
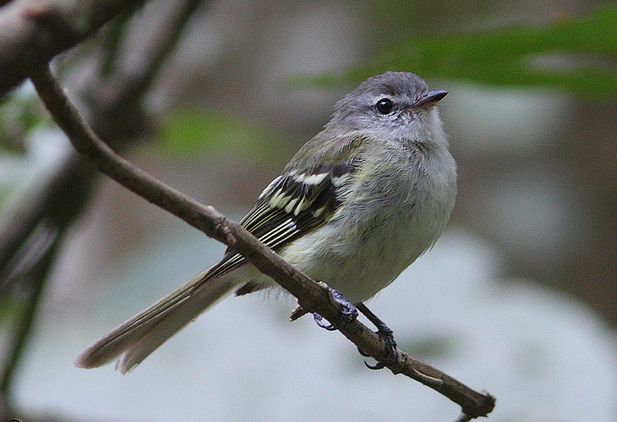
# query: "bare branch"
x,y
33,32
19,221
311,296
20,333
126,100
73,178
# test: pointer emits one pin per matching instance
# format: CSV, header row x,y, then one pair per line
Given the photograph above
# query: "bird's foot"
x,y
392,356
386,335
348,314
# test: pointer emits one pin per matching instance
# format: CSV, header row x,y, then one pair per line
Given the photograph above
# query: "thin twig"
x,y
17,225
21,333
311,296
73,179
19,221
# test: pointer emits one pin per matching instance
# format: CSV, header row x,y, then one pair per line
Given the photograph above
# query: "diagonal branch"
x,y
126,100
73,178
312,296
37,275
20,221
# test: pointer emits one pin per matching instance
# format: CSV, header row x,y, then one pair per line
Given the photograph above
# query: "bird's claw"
x,y
349,312
393,355
321,322
386,334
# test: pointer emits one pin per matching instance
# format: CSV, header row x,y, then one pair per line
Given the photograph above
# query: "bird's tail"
x,y
136,338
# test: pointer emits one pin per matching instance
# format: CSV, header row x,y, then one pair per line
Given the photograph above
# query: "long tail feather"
x,y
139,336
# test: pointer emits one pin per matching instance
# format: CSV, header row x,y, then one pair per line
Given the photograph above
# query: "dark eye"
x,y
384,106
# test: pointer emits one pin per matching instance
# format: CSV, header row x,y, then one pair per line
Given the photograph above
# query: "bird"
x,y
355,206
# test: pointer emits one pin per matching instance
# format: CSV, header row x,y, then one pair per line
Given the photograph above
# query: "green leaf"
x,y
194,130
575,54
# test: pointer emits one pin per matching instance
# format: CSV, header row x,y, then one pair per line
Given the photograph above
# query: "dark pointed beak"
x,y
430,98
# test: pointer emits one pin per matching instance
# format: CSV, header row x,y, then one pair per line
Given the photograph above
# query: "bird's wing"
x,y
292,205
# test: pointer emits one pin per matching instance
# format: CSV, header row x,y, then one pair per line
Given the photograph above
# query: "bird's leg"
x,y
348,313
386,335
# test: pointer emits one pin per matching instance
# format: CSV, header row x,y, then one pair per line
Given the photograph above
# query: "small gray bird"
x,y
354,207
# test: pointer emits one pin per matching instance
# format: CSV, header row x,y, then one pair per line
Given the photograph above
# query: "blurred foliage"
x,y
574,54
9,306
196,130
18,115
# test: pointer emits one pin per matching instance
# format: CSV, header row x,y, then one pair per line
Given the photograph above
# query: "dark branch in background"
x,y
311,296
20,222
37,275
111,44
121,99
32,33
137,85
64,197
71,180
38,224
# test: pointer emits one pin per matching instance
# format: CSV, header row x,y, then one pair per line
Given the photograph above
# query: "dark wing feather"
x,y
292,205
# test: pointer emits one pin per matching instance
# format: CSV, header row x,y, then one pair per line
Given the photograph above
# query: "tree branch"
x,y
20,334
33,32
73,178
312,296
108,104
19,221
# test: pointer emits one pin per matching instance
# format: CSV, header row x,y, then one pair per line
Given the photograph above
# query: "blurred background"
x,y
517,298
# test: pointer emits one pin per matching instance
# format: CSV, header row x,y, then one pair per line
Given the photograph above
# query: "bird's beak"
x,y
430,98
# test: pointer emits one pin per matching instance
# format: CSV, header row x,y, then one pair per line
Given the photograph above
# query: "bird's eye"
x,y
384,106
